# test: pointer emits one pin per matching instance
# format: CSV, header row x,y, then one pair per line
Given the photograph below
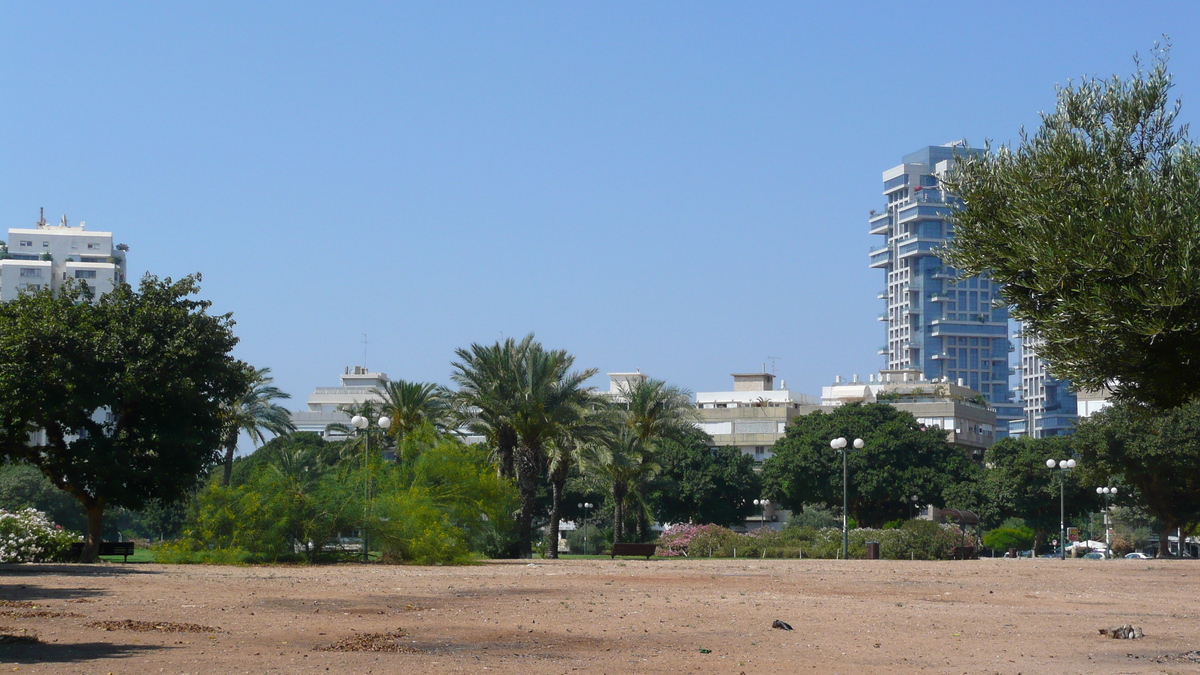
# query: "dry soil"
x,y
592,616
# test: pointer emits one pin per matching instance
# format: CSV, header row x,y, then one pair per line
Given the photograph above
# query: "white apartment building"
x,y
46,256
325,404
752,416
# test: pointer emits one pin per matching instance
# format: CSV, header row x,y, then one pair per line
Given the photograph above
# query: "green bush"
x,y
1004,538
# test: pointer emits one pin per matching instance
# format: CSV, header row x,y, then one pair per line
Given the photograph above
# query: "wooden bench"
x,y
122,548
633,549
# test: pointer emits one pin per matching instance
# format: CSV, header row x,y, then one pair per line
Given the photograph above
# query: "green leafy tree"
x,y
1155,453
702,484
24,486
564,453
1019,485
254,413
122,396
898,459
1092,225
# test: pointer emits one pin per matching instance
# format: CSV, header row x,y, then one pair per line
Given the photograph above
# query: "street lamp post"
x,y
363,425
1107,493
763,503
912,506
1063,465
839,444
585,506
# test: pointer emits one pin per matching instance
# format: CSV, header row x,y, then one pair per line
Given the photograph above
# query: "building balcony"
x,y
884,351
881,257
939,296
880,224
883,295
883,317
943,273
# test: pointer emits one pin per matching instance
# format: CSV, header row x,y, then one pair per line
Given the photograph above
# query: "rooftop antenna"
x,y
365,343
41,217
773,360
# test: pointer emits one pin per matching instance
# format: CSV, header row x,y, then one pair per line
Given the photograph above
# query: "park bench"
x,y
963,553
121,548
633,549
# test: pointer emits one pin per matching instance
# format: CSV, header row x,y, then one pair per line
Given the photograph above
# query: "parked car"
x,y
1095,555
1136,556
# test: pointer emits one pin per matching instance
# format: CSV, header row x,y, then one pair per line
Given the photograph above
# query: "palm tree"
x,y
620,463
522,398
565,452
410,404
488,381
254,413
654,411
551,403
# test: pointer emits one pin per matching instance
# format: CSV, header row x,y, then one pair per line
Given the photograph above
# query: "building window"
x,y
26,243
93,246
45,244
85,274
31,272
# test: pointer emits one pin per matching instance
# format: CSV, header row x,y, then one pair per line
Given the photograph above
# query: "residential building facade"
x,y
326,404
945,327
1051,406
753,415
46,256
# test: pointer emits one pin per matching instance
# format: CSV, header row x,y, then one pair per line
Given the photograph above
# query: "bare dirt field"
x,y
593,616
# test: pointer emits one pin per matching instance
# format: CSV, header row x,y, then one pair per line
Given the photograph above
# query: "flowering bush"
x,y
28,536
676,540
921,540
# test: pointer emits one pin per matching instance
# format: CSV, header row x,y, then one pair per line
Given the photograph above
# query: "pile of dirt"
x,y
148,626
371,642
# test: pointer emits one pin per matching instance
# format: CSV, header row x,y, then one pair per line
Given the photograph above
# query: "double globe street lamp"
x,y
363,425
839,444
763,503
586,506
1063,466
1107,493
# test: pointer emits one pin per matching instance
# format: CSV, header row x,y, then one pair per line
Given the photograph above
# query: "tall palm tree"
x,y
522,398
654,411
620,463
255,413
488,380
410,404
551,403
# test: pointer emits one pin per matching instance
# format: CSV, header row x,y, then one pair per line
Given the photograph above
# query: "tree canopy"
x,y
118,401
1092,225
1018,484
1158,455
701,484
899,459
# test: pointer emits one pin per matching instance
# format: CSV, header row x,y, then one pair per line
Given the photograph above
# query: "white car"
x,y
1136,556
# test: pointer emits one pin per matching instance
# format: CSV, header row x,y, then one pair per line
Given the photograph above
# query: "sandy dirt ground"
x,y
593,616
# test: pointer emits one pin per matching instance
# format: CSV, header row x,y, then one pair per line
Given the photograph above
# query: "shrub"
x,y
1004,538
28,536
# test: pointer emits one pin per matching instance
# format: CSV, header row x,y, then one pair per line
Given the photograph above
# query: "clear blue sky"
x,y
677,187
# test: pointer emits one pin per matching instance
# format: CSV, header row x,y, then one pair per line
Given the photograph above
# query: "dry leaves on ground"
x,y
148,626
370,642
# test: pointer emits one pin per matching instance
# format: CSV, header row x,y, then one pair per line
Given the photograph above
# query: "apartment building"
x,y
46,256
945,327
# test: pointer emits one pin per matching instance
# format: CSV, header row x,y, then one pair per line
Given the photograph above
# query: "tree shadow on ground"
x,y
69,652
34,592
72,569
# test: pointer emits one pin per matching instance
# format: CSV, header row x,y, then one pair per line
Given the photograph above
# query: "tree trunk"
x,y
95,531
506,444
618,513
643,523
556,489
527,466
1164,543
230,448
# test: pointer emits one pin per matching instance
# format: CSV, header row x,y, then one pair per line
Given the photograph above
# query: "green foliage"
x,y
1004,538
1091,227
899,459
1020,486
254,413
23,485
816,516
1157,454
127,390
700,484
